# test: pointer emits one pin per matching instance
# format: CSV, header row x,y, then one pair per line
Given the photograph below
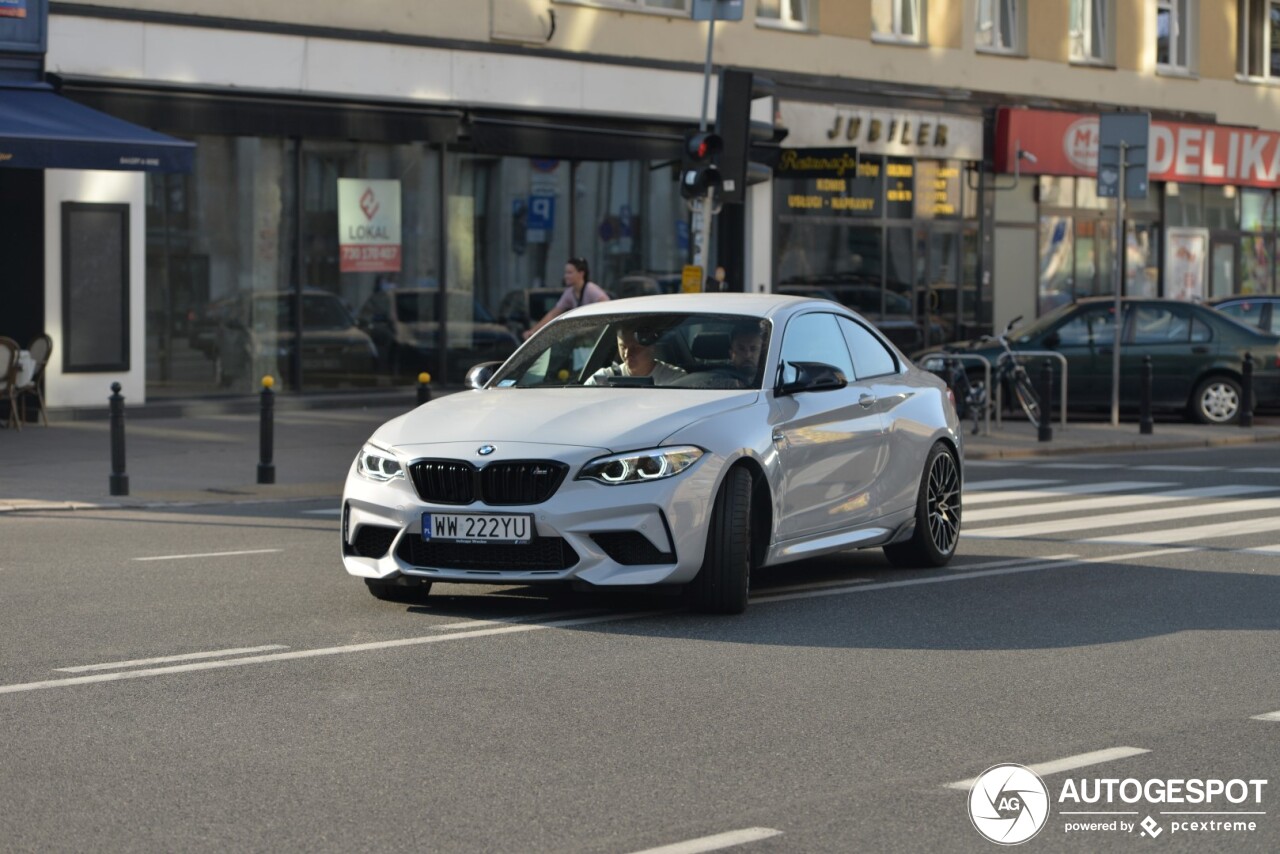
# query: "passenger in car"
x,y
636,349
745,343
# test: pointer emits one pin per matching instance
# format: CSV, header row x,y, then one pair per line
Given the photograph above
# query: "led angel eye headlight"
x,y
640,466
377,464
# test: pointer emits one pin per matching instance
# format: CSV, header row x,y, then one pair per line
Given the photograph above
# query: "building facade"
x,y
380,189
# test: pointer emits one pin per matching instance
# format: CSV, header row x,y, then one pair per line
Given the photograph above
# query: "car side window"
x,y
870,357
1246,312
815,338
1200,330
1094,325
1160,324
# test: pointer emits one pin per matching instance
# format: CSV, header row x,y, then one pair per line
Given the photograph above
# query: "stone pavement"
x,y
207,452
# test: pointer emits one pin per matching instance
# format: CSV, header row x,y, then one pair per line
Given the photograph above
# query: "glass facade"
x,y
896,241
247,271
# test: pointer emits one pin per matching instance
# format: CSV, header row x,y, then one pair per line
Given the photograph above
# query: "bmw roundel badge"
x,y
485,450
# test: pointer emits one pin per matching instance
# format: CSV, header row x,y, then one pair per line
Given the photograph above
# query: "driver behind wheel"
x,y
636,350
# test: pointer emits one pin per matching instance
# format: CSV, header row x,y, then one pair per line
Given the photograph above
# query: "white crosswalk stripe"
x,y
1143,517
1263,550
1021,495
1237,528
1007,483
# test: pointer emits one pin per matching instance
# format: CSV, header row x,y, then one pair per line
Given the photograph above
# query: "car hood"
x,y
615,419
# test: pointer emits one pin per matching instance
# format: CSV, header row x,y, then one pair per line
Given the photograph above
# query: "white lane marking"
x,y
813,585
1017,561
1261,470
190,656
1178,468
1074,489
988,464
715,843
1007,483
331,511
1238,528
1269,716
1136,517
1080,466
531,627
1069,763
513,621
1262,550
211,554
1044,508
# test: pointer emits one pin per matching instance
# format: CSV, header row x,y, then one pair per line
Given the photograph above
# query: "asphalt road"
x,y
1095,605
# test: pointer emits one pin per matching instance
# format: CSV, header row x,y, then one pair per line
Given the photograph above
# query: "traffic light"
x,y
750,146
698,172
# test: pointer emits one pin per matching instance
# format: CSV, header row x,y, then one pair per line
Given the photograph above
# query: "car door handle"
x,y
779,436
866,400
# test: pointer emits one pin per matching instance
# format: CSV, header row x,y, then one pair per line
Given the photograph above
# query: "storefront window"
x,y
1257,210
1220,210
1183,205
1057,248
1257,264
1057,192
217,240
1142,259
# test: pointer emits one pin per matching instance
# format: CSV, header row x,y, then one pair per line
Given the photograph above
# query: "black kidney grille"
x,y
542,554
521,482
504,483
444,481
631,548
373,540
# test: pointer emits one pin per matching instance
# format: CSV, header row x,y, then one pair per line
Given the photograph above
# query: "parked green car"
x,y
1197,356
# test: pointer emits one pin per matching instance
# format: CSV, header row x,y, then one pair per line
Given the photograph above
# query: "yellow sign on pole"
x,y
691,279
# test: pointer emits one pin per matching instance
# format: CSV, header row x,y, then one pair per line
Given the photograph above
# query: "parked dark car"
x,y
404,324
1197,355
1260,310
256,336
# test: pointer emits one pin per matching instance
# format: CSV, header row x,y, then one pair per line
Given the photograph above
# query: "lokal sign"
x,y
1068,144
368,226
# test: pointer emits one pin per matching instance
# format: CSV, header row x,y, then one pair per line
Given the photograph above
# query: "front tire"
x,y
1216,400
1027,397
937,530
723,581
410,592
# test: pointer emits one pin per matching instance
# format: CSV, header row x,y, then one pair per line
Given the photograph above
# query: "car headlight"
x,y
378,464
640,466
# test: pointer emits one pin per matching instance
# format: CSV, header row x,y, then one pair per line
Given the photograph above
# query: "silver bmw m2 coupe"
x,y
663,440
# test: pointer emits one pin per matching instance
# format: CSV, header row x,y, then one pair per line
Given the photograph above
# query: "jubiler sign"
x,y
1067,144
368,226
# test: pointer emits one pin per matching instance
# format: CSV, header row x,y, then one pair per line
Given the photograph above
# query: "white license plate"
x,y
477,527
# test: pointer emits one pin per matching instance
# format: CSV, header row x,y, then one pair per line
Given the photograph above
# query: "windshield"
x,y
1027,331
642,351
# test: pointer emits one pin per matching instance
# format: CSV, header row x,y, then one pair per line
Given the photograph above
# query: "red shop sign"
x,y
1067,144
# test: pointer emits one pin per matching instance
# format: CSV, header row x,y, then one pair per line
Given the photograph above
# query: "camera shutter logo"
x,y
1008,804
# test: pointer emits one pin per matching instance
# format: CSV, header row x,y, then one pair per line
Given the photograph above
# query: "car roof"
x,y
1244,298
755,305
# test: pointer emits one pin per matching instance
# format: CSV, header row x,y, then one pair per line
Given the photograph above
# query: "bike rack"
x,y
986,378
1062,396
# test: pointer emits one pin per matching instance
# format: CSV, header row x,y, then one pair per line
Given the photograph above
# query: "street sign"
x,y
691,279
1134,131
717,10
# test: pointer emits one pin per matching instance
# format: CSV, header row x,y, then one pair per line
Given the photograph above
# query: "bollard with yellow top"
x,y
424,390
266,469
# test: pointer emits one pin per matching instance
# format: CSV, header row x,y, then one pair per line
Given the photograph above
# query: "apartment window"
x,y
677,6
1173,34
1260,38
897,20
793,14
1090,31
999,26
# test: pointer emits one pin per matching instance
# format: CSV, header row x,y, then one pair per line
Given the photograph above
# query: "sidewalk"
x,y
207,452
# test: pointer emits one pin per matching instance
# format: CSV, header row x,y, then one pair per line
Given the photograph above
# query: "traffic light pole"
x,y
1121,246
702,207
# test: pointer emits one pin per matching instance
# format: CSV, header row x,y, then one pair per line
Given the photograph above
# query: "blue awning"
x,y
43,130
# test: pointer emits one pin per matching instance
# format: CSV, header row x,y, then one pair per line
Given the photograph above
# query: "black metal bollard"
x,y
119,480
1145,425
266,444
1246,392
1046,401
424,390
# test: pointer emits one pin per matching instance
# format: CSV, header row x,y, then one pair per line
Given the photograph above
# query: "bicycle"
x,y
972,398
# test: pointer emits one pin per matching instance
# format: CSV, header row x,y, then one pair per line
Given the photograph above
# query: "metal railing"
x,y
986,379
1028,354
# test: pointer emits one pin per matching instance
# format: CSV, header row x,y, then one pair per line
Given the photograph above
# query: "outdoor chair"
x,y
8,379
40,349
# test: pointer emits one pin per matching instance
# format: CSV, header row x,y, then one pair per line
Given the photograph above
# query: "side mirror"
x,y
813,376
479,375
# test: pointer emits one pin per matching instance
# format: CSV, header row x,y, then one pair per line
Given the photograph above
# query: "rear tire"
x,y
723,581
937,532
1216,400
1027,397
411,592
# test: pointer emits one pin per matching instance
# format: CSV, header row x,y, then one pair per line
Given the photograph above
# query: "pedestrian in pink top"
x,y
579,290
